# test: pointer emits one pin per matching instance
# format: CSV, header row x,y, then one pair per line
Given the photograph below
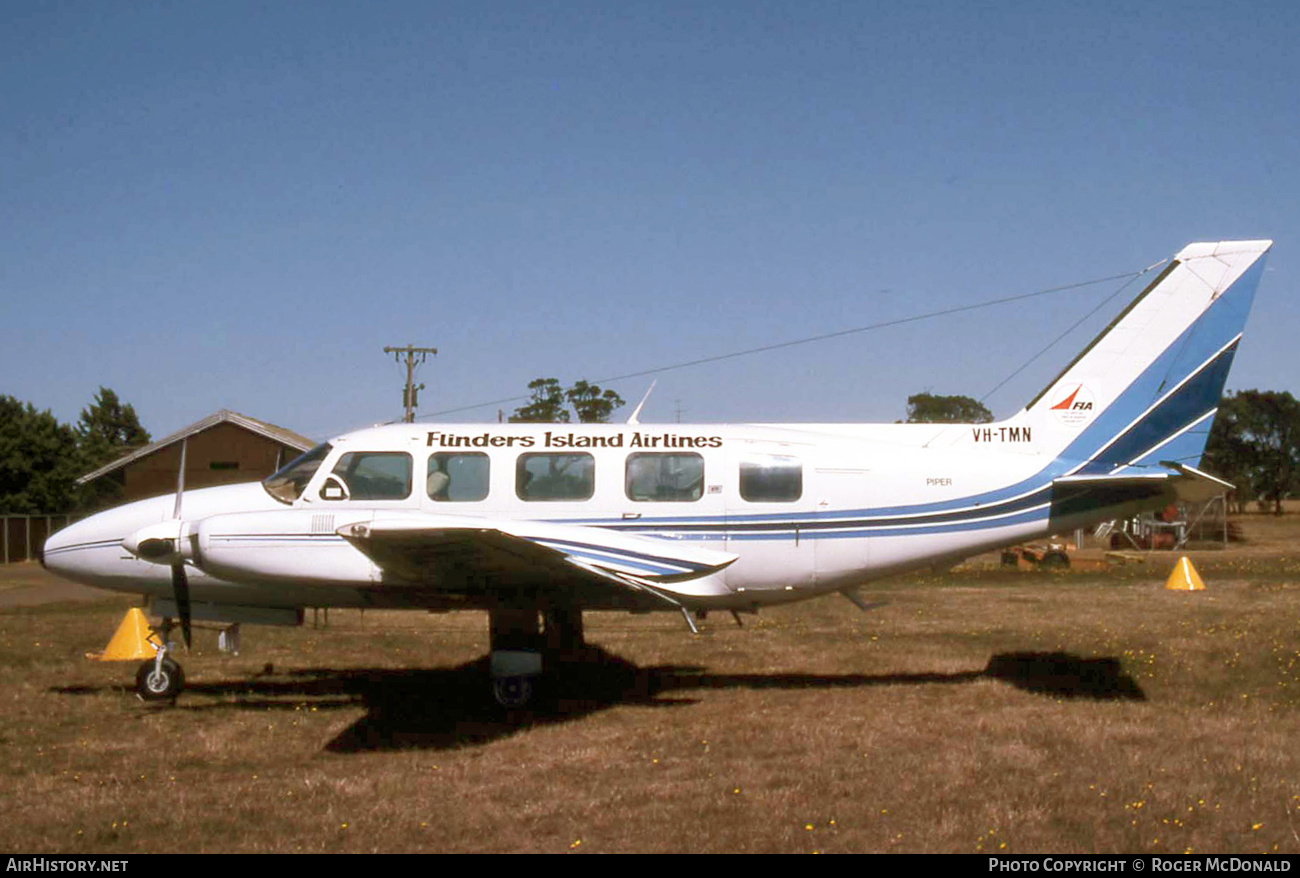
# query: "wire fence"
x,y
22,536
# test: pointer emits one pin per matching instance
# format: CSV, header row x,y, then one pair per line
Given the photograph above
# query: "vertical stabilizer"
x,y
1146,389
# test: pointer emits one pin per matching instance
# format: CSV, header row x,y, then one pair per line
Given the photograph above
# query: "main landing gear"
x,y
524,641
521,647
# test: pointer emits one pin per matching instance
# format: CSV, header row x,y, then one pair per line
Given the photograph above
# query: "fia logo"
x,y
1076,408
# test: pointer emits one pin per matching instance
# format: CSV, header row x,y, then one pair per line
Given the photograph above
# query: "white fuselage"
x,y
806,509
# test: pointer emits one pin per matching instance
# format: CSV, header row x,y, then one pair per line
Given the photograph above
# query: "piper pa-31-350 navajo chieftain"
x,y
535,523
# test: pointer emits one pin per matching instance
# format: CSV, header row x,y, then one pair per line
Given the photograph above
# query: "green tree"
x,y
107,429
38,460
546,404
1255,444
593,405
927,408
1228,453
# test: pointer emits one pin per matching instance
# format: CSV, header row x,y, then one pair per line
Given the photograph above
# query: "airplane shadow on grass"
x,y
450,707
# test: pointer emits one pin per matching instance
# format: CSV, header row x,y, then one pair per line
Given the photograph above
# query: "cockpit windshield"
x,y
288,482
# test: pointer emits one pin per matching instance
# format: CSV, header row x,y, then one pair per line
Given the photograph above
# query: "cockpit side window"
x,y
288,482
370,475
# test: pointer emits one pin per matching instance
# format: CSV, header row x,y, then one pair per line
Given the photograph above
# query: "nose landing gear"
x,y
160,678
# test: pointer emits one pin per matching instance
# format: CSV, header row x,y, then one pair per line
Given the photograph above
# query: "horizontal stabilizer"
x,y
1184,485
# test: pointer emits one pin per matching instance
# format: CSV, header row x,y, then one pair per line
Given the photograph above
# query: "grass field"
x,y
972,711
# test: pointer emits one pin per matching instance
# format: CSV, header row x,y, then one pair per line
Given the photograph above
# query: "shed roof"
x,y
253,425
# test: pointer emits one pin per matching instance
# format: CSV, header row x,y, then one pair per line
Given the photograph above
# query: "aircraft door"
x,y
842,547
768,515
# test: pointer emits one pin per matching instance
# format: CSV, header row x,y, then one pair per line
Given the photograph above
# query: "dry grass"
x,y
977,711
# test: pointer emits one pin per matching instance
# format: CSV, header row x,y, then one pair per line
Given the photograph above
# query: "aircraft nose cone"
x,y
57,549
88,551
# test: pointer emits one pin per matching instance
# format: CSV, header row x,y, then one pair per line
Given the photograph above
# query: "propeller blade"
x,y
180,480
180,582
181,591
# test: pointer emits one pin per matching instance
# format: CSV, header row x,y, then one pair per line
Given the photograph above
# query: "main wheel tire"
x,y
154,685
513,691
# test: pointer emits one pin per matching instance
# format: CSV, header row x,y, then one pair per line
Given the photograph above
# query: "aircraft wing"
x,y
484,556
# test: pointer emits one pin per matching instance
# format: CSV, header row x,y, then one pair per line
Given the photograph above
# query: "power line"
x,y
1128,276
1071,328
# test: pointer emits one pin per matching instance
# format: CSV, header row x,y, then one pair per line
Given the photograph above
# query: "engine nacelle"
x,y
291,545
166,543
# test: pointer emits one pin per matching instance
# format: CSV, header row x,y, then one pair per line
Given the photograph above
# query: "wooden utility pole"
x,y
409,394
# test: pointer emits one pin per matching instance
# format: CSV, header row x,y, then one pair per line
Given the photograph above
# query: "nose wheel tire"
x,y
153,683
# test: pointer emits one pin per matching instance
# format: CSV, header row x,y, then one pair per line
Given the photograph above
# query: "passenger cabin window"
x,y
568,476
369,475
664,478
771,478
458,477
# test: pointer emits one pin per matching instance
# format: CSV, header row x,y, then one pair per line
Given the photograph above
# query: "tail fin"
x,y
1145,391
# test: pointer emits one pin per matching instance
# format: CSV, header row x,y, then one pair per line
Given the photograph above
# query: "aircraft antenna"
x,y
636,413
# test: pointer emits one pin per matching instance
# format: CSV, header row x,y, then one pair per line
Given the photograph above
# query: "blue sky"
x,y
238,205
